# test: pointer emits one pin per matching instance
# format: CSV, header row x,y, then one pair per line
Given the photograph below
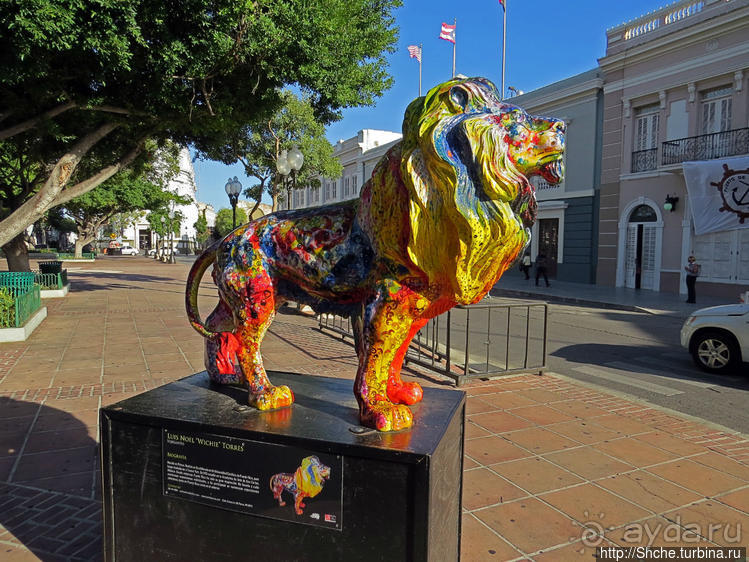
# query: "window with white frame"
x,y
646,127
716,110
347,187
326,193
334,189
355,189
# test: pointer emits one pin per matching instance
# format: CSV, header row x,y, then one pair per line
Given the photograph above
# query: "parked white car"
x,y
718,337
128,250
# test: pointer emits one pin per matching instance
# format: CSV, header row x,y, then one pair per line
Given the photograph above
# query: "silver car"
x,y
718,337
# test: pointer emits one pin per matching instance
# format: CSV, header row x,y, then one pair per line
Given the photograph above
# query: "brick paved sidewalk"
x,y
551,467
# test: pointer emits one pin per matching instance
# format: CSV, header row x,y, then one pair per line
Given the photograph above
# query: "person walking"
x,y
541,268
693,271
526,265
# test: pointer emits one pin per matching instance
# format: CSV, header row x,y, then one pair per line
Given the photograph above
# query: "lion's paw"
x,y
273,398
386,417
405,393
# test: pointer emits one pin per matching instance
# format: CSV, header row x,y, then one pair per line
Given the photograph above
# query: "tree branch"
x,y
100,177
207,97
33,209
33,122
113,109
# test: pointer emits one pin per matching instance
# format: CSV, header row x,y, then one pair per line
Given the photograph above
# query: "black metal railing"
x,y
644,160
477,341
706,147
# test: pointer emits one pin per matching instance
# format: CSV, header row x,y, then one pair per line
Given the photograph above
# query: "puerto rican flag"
x,y
448,32
414,51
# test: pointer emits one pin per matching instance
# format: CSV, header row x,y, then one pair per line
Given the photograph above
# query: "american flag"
x,y
447,32
414,51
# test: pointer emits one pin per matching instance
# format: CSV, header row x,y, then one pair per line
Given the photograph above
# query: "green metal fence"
x,y
17,281
20,298
51,280
84,256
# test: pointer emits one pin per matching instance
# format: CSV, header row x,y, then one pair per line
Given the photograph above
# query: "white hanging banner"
x,y
718,193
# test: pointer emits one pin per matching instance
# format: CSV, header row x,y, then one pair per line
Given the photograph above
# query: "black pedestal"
x,y
188,473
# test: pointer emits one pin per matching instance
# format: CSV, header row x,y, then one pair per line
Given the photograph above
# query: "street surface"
x,y
640,355
634,353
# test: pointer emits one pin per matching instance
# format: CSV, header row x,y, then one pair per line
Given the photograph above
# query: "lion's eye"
x,y
459,96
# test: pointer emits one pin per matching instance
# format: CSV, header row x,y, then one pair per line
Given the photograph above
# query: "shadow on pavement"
x,y
605,354
48,467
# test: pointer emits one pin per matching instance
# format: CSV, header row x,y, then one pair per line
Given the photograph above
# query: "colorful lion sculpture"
x,y
446,211
306,482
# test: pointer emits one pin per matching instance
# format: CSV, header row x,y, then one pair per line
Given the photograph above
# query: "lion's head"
x,y
312,475
466,160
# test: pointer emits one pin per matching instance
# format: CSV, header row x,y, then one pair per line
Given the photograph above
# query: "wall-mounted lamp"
x,y
670,204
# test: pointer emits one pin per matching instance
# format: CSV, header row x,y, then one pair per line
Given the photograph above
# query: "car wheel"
x,y
715,352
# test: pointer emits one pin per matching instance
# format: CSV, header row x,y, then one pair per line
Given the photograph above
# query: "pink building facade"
x,y
676,89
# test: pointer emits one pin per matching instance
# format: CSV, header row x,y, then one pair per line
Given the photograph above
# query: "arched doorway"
x,y
640,264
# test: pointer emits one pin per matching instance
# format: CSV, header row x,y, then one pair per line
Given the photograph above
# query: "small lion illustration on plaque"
x,y
306,482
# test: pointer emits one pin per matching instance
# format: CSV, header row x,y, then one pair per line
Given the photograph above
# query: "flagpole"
x,y
455,23
504,45
421,56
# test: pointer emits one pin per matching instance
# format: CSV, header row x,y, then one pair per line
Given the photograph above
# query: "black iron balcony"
x,y
706,147
644,160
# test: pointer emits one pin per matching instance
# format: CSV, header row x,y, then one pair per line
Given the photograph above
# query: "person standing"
x,y
693,271
541,268
526,263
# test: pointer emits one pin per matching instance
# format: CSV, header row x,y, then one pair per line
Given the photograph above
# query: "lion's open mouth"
x,y
553,171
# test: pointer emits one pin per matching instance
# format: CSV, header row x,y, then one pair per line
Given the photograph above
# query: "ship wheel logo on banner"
x,y
734,190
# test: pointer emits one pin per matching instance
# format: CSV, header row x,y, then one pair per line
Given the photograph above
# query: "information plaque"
x,y
262,479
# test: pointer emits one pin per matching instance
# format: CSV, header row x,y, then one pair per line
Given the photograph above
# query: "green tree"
x,y
58,219
258,149
121,200
224,221
121,196
86,82
167,228
202,234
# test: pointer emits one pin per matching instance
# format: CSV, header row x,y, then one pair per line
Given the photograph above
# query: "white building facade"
x,y
358,156
566,229
182,184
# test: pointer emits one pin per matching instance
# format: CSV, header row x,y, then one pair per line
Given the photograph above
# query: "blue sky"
x,y
547,41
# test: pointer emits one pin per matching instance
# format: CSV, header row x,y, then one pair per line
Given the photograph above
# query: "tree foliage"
x,y
224,221
258,149
202,233
120,200
86,82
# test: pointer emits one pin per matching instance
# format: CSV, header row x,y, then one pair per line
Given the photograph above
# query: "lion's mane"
x,y
464,222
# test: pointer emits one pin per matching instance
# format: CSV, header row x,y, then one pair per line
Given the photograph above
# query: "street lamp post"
x,y
171,237
163,226
290,163
233,188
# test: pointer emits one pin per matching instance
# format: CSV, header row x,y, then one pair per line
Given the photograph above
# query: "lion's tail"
x,y
191,291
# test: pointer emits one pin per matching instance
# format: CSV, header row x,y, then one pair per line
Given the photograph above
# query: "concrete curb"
x,y
579,301
21,334
55,293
